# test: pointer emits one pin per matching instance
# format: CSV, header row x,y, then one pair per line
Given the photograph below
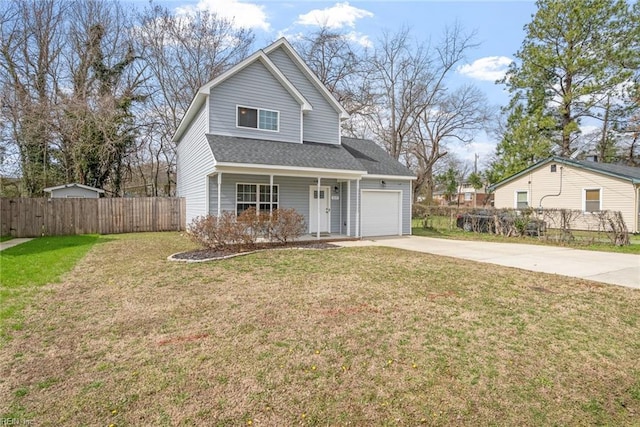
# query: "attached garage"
x,y
381,213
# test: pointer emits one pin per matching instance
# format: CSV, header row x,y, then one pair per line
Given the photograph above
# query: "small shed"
x,y
74,191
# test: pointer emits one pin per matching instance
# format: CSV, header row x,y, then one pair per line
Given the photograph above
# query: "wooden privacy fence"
x,y
53,217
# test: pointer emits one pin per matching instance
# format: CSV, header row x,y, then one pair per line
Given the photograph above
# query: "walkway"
x,y
605,267
13,242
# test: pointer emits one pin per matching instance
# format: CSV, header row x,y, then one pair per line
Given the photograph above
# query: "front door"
x,y
320,201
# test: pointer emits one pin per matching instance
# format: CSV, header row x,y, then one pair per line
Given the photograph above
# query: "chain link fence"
x,y
558,225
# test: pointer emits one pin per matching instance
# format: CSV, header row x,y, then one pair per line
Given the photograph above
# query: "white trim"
x,y
258,110
410,209
584,198
358,233
399,177
327,197
258,202
400,219
219,209
301,126
349,208
515,198
289,170
73,185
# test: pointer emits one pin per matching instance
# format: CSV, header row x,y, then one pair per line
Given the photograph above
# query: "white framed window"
x,y
255,196
468,196
257,118
592,199
521,200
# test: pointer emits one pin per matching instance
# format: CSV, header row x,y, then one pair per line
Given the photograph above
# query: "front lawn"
x,y
25,267
360,336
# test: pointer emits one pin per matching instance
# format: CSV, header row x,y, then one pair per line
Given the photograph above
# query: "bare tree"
x,y
96,123
421,113
454,117
340,64
181,54
30,47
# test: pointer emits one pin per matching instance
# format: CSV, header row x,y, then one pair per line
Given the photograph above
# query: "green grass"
x,y
359,336
25,267
443,227
5,238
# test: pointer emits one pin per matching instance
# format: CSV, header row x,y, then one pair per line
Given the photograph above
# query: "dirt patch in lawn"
x,y
357,336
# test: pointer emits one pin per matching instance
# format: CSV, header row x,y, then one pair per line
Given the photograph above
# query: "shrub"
x,y
286,225
227,230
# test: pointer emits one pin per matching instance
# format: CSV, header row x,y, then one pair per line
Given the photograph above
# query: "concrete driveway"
x,y
605,267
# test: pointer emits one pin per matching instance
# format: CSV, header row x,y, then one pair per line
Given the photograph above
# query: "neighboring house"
x,y
74,191
467,197
559,183
266,134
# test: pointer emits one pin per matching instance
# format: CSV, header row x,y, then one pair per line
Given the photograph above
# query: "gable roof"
x,y
357,155
74,184
627,173
302,65
203,93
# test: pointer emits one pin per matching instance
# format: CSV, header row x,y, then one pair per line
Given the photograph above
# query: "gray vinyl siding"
x,y
323,123
254,87
293,192
194,162
404,186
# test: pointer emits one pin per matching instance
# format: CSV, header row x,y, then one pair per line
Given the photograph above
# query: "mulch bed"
x,y
210,254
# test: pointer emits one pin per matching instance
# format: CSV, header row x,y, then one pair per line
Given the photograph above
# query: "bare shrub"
x,y
615,228
286,225
213,232
244,231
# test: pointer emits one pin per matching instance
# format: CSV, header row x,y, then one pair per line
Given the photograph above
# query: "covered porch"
x,y
327,199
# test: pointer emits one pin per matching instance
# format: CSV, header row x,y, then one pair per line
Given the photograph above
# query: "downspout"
x,y
552,195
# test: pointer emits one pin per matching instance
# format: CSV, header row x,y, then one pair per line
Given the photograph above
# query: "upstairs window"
x,y
592,200
258,118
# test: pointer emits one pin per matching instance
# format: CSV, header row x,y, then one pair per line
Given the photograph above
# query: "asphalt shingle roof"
x,y
352,155
375,160
620,170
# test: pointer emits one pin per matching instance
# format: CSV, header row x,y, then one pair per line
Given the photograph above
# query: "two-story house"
x,y
266,134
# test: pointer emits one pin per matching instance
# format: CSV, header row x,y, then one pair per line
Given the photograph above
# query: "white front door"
x,y
322,202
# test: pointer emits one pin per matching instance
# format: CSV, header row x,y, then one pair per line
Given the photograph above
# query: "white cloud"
x,y
483,147
490,68
242,14
353,37
338,16
359,38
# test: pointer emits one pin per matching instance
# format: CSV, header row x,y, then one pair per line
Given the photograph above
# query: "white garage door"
x,y
381,213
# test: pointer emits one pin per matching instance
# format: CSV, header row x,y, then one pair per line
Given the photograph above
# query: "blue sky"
x,y
499,26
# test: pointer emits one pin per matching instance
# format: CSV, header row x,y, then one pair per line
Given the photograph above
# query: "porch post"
x,y
219,193
358,233
318,211
340,193
349,208
270,195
